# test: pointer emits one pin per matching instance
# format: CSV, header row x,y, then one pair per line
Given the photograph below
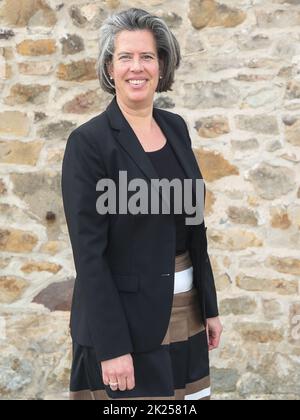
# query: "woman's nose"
x,y
136,64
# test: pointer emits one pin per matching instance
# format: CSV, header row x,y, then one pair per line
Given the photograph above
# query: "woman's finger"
x,y
130,382
122,383
113,382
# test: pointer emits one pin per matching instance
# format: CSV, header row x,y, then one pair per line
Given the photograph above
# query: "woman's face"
x,y
135,58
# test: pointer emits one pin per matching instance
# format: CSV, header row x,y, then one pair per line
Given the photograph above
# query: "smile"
x,y
137,83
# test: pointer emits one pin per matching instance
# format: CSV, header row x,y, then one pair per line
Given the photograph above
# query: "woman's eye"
x,y
126,56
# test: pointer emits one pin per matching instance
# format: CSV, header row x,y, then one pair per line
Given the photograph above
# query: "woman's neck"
x,y
139,118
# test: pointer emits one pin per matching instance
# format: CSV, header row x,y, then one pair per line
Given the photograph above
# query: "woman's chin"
x,y
138,96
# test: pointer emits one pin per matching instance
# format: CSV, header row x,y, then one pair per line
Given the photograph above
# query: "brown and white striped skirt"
x,y
177,370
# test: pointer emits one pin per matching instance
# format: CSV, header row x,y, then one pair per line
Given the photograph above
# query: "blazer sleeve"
x,y
211,302
88,230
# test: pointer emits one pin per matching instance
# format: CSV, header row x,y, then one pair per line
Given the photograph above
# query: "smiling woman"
x,y
125,38
144,312
136,71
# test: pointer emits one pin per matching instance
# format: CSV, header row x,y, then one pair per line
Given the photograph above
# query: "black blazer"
x,y
125,263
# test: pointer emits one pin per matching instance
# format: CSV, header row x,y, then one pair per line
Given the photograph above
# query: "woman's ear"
x,y
109,67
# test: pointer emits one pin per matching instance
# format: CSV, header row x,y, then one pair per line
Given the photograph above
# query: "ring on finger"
x,y
113,384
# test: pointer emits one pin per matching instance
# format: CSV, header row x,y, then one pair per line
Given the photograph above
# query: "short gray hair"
x,y
133,19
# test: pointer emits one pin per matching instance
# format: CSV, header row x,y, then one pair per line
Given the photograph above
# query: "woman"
x,y
144,312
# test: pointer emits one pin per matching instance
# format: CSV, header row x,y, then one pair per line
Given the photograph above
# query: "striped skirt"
x,y
177,370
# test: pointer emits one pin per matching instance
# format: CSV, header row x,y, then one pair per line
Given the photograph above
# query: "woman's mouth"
x,y
137,84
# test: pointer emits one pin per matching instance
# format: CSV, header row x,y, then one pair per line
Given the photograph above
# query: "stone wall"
x,y
238,88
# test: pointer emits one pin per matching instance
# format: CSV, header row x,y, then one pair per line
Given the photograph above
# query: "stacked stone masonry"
x,y
238,88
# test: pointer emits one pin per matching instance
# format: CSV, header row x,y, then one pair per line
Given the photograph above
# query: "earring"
x,y
160,77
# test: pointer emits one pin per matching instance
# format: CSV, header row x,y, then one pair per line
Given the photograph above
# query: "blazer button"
x,y
165,274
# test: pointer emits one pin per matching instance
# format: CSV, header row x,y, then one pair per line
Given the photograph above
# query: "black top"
x,y
168,166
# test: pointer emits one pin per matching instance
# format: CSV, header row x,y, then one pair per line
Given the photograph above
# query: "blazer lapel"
x,y
131,144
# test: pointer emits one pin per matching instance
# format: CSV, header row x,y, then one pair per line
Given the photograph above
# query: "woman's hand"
x,y
119,371
214,330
